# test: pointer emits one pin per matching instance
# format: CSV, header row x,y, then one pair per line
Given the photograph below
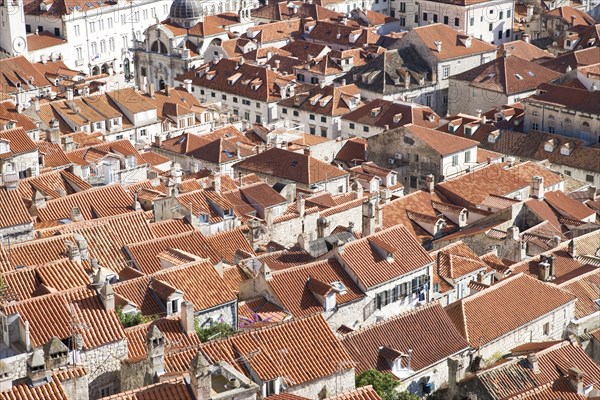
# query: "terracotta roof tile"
x,y
227,243
13,212
494,312
311,351
170,227
175,337
382,113
176,388
438,340
372,269
292,286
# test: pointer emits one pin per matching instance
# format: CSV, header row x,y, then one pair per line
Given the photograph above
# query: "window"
x,y
471,21
446,19
111,44
551,129
508,33
467,156
40,28
402,7
499,34
534,126
507,13
424,16
56,31
314,80
283,110
428,100
567,172
416,18
28,28
270,387
94,48
392,13
435,18
402,21
106,391
501,15
102,46
247,115
445,71
300,77
351,125
445,98
109,21
223,97
365,128
92,27
455,160
546,328
258,119
456,21
257,105
213,94
296,113
79,53
323,132
589,178
491,27
312,130
323,119
311,117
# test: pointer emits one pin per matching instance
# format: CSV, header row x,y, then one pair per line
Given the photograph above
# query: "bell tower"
x,y
13,38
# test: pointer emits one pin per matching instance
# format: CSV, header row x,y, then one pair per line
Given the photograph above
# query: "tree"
x,y
131,319
384,384
217,331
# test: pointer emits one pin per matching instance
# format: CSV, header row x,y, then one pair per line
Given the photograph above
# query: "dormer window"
x,y
375,112
339,287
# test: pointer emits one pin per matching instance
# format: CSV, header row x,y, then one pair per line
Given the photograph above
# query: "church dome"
x,y
186,9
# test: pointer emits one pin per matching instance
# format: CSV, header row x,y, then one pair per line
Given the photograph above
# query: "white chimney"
x,y
187,85
538,187
70,94
438,46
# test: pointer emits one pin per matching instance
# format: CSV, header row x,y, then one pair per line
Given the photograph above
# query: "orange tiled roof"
x,y
176,388
360,393
497,311
227,243
437,340
372,269
170,227
309,346
175,337
53,315
13,212
587,290
291,288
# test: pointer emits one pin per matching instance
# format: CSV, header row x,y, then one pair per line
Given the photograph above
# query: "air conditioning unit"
x,y
391,160
398,156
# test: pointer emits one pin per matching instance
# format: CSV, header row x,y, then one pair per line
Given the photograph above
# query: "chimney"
x,y
107,296
69,94
368,218
576,380
592,192
538,187
187,85
155,350
36,369
478,113
343,82
529,10
301,205
151,89
533,363
277,63
572,248
187,317
216,183
512,233
75,214
527,38
430,182
573,18
5,378
168,90
54,136
410,352
438,46
72,251
307,151
200,377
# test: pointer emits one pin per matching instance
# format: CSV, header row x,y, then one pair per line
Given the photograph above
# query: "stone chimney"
x,y
537,187
368,218
82,245
200,377
54,136
512,233
72,251
301,205
36,369
75,214
5,377
576,380
151,90
155,349
430,183
526,38
216,183
168,90
533,362
107,297
56,354
69,94
187,317
438,46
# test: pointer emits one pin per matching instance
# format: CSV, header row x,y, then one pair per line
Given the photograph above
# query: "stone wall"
x,y
103,365
340,382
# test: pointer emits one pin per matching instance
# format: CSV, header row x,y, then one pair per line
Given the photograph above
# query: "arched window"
x,y
111,44
94,48
586,124
102,46
159,47
550,116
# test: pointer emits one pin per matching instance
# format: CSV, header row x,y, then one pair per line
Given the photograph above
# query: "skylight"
x,y
530,73
519,77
